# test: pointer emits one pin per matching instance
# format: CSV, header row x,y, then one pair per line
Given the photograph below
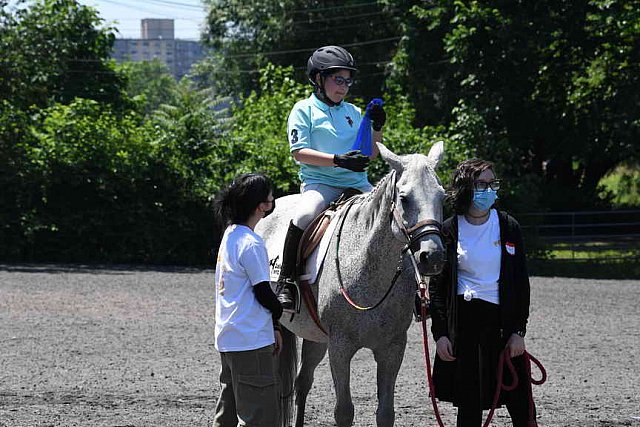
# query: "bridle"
x,y
423,227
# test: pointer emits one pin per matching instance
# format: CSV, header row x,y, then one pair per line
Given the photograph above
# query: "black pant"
x,y
478,348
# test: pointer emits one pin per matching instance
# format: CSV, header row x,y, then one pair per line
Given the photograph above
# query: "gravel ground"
x,y
87,346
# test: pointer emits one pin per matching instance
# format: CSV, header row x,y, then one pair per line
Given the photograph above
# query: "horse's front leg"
x,y
388,358
312,355
341,352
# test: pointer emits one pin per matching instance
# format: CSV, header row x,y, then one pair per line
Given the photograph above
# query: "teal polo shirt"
x,y
314,124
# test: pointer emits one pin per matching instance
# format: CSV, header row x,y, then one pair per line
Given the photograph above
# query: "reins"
x,y
343,291
433,227
504,359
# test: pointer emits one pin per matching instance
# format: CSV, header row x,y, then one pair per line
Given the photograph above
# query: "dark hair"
x,y
236,202
460,193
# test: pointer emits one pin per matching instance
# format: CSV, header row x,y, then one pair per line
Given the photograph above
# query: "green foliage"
x,y
621,187
91,179
118,164
192,138
108,187
77,161
402,137
53,51
543,88
150,83
249,34
15,182
259,133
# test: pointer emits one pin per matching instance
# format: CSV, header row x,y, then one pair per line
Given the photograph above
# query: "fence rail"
x,y
584,235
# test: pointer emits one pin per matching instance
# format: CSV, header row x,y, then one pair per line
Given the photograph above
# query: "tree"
x,y
54,51
246,35
192,136
547,89
151,83
259,134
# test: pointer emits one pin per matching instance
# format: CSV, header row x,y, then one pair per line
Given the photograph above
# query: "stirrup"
x,y
297,297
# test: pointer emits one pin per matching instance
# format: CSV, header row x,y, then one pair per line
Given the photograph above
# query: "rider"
x,y
321,131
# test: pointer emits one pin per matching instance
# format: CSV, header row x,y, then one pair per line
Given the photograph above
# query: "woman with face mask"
x,y
322,130
480,301
247,331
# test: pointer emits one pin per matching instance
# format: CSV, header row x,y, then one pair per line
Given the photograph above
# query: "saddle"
x,y
309,241
315,231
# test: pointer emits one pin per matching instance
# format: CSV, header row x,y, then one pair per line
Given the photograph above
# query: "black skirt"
x,y
470,380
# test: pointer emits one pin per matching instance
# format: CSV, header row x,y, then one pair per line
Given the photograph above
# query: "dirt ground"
x,y
87,346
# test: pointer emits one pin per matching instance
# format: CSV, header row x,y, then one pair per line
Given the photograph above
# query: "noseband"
x,y
429,226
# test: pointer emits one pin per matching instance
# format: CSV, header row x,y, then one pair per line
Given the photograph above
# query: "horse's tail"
x,y
287,369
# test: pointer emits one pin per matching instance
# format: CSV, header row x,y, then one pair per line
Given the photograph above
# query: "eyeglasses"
x,y
483,185
339,80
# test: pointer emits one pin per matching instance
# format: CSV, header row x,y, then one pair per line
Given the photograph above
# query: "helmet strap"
x,y
321,94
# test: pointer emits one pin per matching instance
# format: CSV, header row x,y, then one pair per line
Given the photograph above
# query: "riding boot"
x,y
287,288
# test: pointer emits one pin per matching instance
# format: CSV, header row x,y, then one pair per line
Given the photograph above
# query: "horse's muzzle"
x,y
431,262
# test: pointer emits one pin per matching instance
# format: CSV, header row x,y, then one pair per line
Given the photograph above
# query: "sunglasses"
x,y
339,80
483,185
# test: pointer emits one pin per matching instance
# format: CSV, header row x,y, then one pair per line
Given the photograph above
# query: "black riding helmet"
x,y
329,58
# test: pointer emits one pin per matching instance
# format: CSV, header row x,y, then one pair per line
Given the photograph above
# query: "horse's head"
x,y
418,206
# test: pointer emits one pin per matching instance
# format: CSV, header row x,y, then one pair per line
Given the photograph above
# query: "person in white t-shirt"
x,y
247,331
480,302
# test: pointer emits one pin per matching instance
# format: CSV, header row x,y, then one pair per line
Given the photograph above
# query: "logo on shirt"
x,y
294,136
510,247
349,120
275,266
220,284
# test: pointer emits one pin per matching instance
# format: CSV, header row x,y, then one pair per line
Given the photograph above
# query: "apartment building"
x,y
157,41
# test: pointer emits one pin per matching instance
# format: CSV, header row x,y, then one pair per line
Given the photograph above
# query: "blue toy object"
x,y
363,139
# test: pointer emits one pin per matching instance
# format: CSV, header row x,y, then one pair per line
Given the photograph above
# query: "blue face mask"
x,y
483,200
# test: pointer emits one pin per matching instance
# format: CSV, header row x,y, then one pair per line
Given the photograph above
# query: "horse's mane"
x,y
373,202
378,199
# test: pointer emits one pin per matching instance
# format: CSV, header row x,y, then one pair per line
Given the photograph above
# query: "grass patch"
x,y
593,268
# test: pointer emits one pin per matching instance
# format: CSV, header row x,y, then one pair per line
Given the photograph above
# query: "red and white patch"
x,y
510,247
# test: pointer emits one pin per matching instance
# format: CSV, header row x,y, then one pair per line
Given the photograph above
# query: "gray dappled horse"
x,y
370,248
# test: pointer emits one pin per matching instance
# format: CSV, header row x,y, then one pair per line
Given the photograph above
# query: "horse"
x,y
398,219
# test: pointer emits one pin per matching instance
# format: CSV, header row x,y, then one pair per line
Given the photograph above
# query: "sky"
x,y
189,15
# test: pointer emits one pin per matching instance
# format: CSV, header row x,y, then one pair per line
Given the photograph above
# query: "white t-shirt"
x,y
479,258
242,323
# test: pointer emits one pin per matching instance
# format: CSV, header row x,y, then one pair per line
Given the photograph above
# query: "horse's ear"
x,y
390,157
436,154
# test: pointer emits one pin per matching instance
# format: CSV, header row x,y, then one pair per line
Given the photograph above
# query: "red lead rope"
x,y
427,358
504,359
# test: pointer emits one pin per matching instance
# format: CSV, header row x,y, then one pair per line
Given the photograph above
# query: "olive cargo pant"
x,y
249,389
